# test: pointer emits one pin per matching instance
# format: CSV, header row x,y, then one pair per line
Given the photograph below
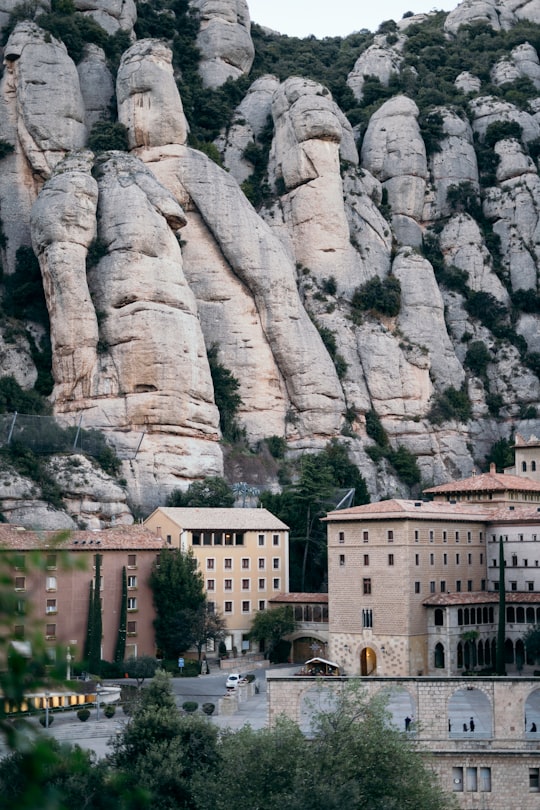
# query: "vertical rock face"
x,y
97,86
149,104
380,60
224,40
112,15
455,162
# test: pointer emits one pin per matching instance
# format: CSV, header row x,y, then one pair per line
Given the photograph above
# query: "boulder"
x,y
493,12
112,15
468,82
380,60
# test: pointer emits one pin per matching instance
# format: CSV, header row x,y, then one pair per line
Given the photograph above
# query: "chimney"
x,y
492,469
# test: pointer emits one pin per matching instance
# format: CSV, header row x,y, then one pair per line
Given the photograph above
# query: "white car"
x,y
233,680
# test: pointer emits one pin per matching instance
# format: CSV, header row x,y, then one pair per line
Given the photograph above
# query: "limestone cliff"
x,y
261,231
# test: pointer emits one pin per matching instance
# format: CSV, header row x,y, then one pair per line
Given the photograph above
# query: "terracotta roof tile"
x,y
488,482
233,519
399,509
120,537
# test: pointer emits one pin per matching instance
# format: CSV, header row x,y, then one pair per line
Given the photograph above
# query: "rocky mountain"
x,y
350,226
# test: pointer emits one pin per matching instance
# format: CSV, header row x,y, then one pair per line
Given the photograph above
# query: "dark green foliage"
x,y
478,358
451,404
329,285
177,589
382,297
209,149
190,706
141,668
6,148
94,648
211,492
105,136
227,399
532,361
464,198
109,710
526,300
74,30
83,715
120,649
277,446
531,639
375,430
329,339
269,627
487,309
431,129
208,708
32,466
494,403
24,297
501,454
89,622
14,398
323,479
500,130
405,464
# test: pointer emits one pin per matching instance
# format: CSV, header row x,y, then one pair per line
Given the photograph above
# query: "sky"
x,y
330,18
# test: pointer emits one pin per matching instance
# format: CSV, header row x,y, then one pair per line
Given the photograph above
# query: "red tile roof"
x,y
400,509
300,598
121,537
487,482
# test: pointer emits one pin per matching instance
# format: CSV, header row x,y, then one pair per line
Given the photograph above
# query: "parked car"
x,y
233,680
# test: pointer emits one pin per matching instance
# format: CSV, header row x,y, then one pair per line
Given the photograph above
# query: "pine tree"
x,y
89,623
94,654
120,650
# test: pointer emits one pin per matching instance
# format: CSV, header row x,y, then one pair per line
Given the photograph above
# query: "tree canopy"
x,y
270,626
177,587
212,491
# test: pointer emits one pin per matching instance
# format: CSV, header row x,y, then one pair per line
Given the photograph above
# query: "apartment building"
x,y
398,568
54,594
243,555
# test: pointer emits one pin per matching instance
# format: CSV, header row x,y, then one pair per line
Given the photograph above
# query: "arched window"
x,y
439,617
538,615
460,616
510,615
524,466
439,656
520,615
466,616
484,615
533,466
491,615
508,651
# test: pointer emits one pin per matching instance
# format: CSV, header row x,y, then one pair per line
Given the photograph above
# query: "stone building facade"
x,y
491,764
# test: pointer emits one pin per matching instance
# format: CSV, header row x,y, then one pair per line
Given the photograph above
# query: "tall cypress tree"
x,y
94,655
120,650
501,630
89,623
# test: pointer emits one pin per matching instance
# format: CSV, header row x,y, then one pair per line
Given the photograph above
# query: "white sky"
x,y
327,18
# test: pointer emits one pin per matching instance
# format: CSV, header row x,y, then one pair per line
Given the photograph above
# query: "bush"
x,y
452,403
477,358
382,297
190,706
208,708
107,135
109,710
83,715
277,446
43,719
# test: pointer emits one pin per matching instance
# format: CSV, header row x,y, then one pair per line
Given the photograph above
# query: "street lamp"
x,y
47,696
98,692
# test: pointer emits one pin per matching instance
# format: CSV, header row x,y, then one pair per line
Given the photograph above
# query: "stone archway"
x,y
305,647
368,661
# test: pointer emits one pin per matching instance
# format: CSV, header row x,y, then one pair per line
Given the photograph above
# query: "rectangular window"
x,y
534,780
227,584
367,617
390,559
513,586
390,535
210,564
445,536
445,559
20,583
262,563
432,559
520,538
365,536
469,585
432,587
482,584
342,559
485,780
469,559
471,780
196,539
342,537
246,606
366,559
366,586
50,631
228,539
457,780
132,628
245,563
261,539
416,535
51,606
469,537
457,559
207,538
457,536
132,603
276,583
227,563
458,585
417,587
262,584
275,540
132,581
132,560
246,584
530,586
218,538
525,563
210,584
417,559
481,536
50,583
275,563
262,604
20,562
169,539
481,558
51,560
443,586
227,607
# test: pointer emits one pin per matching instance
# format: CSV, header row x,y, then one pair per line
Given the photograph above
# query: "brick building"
x,y
54,596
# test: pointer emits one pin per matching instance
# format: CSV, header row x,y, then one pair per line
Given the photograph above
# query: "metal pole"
x,y
98,690
12,427
76,439
47,696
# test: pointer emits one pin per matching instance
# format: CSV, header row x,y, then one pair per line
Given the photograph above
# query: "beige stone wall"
x,y
507,750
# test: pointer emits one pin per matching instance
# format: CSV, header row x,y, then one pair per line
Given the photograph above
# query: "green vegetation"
x,y
478,358
212,491
452,403
402,460
269,627
379,296
108,135
177,588
227,399
320,481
